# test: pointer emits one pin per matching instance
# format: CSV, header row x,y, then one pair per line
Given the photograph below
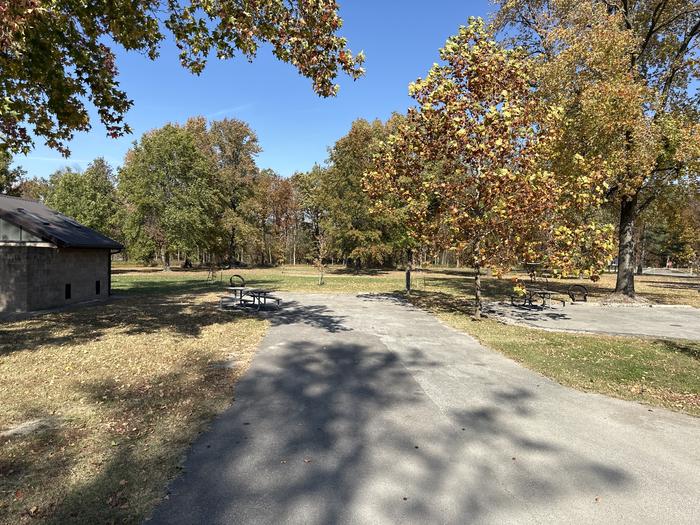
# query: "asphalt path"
x,y
364,410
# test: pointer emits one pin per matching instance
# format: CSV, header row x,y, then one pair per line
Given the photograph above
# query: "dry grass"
x,y
302,278
129,385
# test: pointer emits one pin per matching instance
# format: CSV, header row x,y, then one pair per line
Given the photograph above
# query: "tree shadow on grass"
x,y
691,349
184,314
681,285
140,270
457,272
359,272
150,426
441,302
495,289
163,286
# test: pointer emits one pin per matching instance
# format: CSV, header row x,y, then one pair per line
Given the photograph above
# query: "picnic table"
x,y
545,295
244,295
531,294
261,296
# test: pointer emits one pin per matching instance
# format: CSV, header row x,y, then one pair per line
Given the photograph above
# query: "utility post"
x,y
409,265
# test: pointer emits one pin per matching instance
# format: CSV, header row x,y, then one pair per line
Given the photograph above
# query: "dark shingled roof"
x,y
51,225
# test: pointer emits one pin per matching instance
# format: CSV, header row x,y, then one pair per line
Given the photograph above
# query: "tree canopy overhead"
x,y
55,54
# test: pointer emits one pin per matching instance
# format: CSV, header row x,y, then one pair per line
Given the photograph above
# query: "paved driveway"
x,y
677,322
364,410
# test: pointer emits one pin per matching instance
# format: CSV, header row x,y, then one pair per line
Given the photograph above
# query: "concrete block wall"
x,y
13,279
34,278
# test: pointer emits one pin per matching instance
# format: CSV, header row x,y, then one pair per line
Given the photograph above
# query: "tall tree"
x,y
55,52
623,70
295,221
257,212
170,193
89,197
232,147
359,236
10,178
469,161
34,188
309,187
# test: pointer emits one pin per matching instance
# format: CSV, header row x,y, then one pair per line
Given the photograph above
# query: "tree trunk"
x,y
642,251
477,291
232,246
165,258
625,259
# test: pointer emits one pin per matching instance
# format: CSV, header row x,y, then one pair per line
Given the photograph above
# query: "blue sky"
x,y
294,126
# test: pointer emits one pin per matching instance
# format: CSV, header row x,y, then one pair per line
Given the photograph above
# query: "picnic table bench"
x,y
577,290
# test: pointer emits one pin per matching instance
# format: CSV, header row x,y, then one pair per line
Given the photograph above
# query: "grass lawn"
x,y
658,289
125,388
300,278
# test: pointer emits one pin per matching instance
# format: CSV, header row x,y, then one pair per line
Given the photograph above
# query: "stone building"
x,y
48,259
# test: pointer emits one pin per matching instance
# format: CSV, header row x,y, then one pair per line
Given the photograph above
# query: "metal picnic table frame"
x,y
261,296
258,296
546,295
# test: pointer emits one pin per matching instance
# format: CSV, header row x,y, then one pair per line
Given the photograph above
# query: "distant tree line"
x,y
194,194
172,202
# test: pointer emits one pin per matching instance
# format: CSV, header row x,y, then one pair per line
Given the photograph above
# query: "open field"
x,y
123,389
657,289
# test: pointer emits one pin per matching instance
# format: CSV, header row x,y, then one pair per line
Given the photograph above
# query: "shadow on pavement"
x,y
318,316
342,432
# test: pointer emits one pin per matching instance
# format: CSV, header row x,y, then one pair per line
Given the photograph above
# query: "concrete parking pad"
x,y
363,410
677,322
